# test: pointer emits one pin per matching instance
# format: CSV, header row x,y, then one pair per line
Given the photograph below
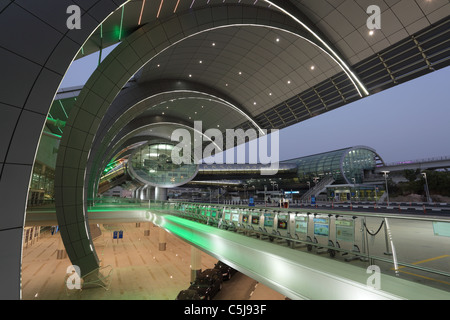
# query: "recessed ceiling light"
x,y
163,113
270,93
218,125
240,72
226,84
200,61
371,33
213,44
278,40
158,65
254,103
190,76
313,67
289,82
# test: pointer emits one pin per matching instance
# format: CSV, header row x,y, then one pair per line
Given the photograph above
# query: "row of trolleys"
x,y
277,224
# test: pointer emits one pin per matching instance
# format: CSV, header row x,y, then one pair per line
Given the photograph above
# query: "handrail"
x,y
308,242
334,212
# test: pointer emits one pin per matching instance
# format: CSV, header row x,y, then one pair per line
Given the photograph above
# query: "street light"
x,y
424,174
387,190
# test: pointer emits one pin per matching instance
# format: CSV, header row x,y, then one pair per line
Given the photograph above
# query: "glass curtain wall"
x,y
153,163
344,165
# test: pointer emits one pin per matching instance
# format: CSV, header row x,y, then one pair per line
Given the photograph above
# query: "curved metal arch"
x,y
98,94
129,133
130,102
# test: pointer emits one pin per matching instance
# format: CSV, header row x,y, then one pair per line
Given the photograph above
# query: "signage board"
x,y
441,229
345,230
301,224
321,227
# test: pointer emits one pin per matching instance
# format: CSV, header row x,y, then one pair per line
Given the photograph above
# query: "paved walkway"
x,y
140,270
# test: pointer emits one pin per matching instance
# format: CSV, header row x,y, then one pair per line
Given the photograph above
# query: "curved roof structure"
x,y
344,165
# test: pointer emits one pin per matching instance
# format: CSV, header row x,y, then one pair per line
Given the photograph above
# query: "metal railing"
x,y
402,244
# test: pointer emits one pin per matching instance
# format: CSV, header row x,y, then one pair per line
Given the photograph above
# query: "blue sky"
x,y
408,122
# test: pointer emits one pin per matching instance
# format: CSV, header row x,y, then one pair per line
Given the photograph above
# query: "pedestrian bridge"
x,y
424,164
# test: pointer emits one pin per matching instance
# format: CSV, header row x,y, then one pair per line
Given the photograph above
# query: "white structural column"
x,y
196,263
147,230
143,193
61,251
160,194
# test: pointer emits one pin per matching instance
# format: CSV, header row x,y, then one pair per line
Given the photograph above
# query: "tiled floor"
x,y
139,269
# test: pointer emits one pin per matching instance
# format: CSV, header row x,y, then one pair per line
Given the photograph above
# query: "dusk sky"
x,y
408,122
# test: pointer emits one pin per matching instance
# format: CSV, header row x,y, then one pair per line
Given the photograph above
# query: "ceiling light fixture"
x,y
142,10
159,10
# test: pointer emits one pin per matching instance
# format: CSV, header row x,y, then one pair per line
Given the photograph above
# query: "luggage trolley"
x,y
282,225
207,215
226,218
322,229
268,220
301,228
193,211
345,232
255,221
214,218
245,224
234,219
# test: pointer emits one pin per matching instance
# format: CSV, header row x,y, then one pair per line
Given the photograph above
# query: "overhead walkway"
x,y
264,244
424,164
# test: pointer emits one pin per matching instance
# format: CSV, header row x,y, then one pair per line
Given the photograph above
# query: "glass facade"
x,y
344,165
41,186
355,162
43,180
152,164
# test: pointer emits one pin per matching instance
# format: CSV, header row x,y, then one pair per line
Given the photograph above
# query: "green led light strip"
x,y
121,24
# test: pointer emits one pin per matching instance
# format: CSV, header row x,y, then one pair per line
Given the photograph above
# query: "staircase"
x,y
318,188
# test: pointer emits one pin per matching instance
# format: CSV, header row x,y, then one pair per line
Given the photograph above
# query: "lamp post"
x,y
387,190
424,174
